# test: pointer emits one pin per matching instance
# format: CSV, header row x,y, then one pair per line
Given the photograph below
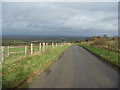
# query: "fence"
x,y
17,51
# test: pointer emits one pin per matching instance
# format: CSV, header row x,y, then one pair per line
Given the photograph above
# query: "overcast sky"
x,y
71,19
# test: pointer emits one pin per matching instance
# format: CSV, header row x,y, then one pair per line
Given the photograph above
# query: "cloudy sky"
x,y
0,20
60,18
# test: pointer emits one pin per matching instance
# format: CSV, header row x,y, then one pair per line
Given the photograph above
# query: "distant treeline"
x,y
17,40
109,43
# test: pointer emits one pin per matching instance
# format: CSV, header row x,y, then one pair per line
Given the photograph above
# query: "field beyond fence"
x,y
17,51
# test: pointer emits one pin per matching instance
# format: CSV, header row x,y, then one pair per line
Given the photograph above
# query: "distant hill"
x,y
13,40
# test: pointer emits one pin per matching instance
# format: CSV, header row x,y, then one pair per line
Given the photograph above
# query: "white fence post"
x,y
60,44
52,45
56,44
25,50
2,50
8,50
46,46
31,48
40,46
43,47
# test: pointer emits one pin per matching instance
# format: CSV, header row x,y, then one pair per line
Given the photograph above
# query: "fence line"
x,y
25,50
8,50
31,49
2,54
17,52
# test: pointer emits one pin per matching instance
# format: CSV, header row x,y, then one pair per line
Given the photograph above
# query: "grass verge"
x,y
109,56
17,73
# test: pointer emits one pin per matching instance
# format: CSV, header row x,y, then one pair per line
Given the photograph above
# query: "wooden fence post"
x,y
60,44
31,48
43,47
2,50
65,43
40,46
52,45
25,50
56,44
8,50
46,46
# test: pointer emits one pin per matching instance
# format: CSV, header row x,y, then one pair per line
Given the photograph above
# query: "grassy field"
x,y
109,56
21,51
20,70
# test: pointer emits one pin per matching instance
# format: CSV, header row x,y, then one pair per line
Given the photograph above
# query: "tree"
x,y
105,36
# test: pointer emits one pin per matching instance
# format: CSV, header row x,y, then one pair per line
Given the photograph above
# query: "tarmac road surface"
x,y
78,68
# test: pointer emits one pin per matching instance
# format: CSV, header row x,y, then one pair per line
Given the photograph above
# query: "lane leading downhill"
x,y
77,68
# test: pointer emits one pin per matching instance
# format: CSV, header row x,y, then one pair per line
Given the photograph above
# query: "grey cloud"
x,y
60,18
0,11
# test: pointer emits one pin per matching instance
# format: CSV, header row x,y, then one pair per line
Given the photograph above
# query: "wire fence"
x,y
17,51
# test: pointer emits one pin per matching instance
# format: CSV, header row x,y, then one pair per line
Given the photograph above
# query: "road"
x,y
77,68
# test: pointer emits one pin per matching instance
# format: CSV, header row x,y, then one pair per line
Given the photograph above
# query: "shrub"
x,y
101,42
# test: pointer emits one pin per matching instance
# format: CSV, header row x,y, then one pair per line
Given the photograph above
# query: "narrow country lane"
x,y
77,68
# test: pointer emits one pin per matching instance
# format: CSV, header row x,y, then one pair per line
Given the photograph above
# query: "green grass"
x,y
16,72
109,56
21,51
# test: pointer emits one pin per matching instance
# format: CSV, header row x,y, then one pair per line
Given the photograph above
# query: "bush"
x,y
101,42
